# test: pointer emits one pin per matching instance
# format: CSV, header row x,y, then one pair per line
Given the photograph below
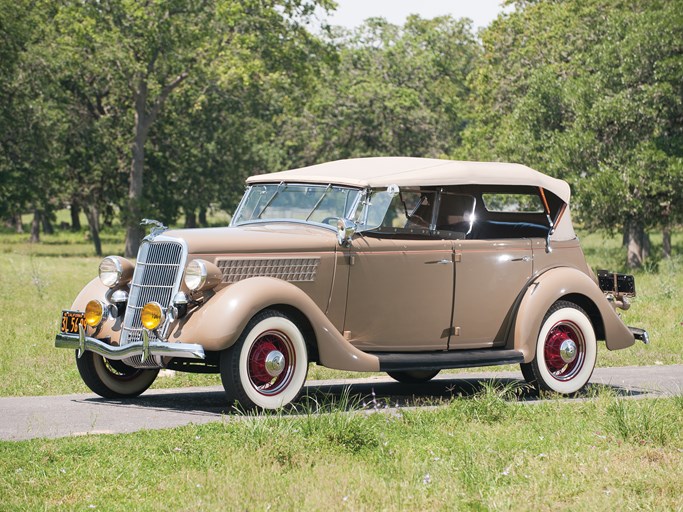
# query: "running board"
x,y
401,361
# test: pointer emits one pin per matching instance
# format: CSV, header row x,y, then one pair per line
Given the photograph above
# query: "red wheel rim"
x,y
259,377
562,336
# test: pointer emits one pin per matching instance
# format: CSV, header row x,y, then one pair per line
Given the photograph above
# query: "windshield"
x,y
320,204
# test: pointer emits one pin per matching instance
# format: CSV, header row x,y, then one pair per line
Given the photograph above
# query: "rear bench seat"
x,y
497,229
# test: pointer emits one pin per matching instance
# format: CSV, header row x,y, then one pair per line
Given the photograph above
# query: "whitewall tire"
x,y
566,351
267,366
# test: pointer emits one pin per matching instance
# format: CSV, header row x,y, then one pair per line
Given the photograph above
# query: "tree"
x,y
29,160
589,91
393,91
146,51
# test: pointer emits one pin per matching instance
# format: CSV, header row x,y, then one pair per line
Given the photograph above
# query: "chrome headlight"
x,y
202,275
115,270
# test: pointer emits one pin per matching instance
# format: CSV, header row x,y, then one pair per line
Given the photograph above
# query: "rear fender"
x,y
574,286
218,323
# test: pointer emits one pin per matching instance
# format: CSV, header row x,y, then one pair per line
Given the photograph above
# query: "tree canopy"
x,y
591,92
162,108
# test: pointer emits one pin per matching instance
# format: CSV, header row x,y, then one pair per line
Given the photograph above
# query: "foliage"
x,y
394,91
160,109
596,103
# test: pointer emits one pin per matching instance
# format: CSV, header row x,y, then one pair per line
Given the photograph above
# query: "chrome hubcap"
x,y
275,363
568,351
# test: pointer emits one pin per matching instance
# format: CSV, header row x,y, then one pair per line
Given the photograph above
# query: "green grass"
x,y
487,452
39,280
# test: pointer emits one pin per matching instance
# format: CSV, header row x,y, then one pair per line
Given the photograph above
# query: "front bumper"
x,y
144,348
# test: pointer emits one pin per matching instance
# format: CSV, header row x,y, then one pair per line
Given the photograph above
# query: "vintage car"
x,y
400,265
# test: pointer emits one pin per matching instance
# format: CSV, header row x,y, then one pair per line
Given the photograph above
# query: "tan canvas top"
x,y
407,171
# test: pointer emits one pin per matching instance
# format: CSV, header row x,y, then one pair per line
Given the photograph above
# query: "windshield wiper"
x,y
272,198
315,207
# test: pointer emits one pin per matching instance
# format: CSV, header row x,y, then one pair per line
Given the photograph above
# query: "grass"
x,y
39,280
487,452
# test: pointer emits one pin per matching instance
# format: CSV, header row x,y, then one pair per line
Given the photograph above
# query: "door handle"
x,y
439,262
525,258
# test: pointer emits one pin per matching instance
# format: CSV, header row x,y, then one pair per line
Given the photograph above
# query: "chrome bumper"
x,y
144,348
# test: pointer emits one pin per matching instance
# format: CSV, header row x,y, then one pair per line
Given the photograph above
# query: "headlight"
x,y
115,271
152,315
201,275
95,313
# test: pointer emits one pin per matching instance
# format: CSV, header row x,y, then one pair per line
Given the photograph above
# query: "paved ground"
x,y
59,416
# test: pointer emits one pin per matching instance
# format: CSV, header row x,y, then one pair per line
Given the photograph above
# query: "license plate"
x,y
71,320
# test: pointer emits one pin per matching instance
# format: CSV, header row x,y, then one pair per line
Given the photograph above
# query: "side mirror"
x,y
346,228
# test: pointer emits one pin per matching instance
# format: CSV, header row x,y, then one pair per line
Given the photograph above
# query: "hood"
x,y
275,237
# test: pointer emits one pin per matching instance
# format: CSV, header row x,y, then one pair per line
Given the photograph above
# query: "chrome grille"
x,y
157,278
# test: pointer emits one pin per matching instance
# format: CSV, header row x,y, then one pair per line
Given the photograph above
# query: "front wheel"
x,y
111,378
566,350
267,366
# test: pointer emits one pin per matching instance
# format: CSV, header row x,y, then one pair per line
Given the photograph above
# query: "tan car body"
x,y
345,328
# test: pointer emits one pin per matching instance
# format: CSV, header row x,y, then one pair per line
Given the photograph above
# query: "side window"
x,y
406,212
456,213
510,212
513,203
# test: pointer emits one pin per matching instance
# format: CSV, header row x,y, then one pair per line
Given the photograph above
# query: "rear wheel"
x,y
111,378
566,350
413,376
267,366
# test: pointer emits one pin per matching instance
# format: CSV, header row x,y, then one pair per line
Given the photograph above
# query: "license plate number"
x,y
71,320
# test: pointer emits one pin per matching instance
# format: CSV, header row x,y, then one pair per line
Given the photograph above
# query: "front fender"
x,y
93,290
218,323
575,286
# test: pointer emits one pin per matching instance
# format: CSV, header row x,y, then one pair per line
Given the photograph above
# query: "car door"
x,y
493,263
400,294
400,284
489,275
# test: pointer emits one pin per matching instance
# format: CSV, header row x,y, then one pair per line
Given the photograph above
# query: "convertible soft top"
x,y
409,171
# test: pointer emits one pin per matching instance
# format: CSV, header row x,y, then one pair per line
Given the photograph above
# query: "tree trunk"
x,y
14,222
75,216
202,217
93,216
145,115
666,242
35,227
638,245
133,214
190,219
48,229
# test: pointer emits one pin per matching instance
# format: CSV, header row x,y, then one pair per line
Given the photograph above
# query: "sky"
x,y
352,13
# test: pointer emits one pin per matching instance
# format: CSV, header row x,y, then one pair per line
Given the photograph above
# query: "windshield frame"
x,y
324,189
